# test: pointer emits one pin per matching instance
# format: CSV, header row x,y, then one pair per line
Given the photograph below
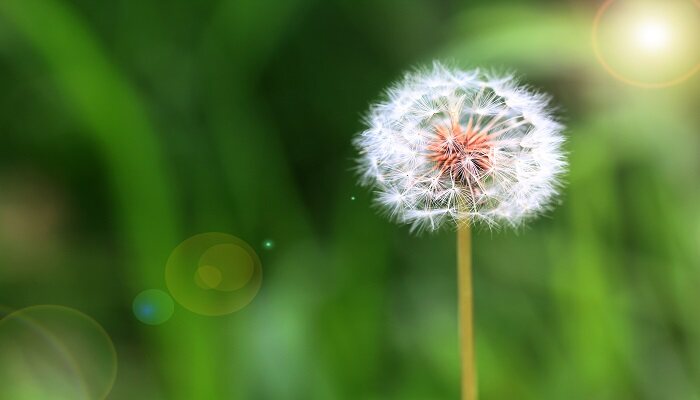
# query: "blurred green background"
x,y
128,126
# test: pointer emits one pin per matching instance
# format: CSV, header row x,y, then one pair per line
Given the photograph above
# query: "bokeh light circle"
x,y
55,352
651,35
213,274
153,307
268,244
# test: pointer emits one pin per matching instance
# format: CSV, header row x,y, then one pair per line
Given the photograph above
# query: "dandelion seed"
x,y
495,143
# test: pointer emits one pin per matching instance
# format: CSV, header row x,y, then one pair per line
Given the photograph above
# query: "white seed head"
x,y
449,146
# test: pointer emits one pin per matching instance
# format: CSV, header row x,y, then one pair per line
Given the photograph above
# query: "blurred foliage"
x,y
129,126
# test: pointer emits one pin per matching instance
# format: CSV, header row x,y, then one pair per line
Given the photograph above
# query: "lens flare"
x,y
54,352
153,307
649,44
213,274
652,35
269,244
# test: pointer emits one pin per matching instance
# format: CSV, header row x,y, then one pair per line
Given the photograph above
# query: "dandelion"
x,y
453,148
450,146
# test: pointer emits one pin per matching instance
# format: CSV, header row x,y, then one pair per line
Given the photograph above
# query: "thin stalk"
x,y
466,312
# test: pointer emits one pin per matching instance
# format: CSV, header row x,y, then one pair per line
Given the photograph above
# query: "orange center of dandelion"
x,y
463,153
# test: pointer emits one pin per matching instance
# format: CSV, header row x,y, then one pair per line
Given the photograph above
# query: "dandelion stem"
x,y
466,311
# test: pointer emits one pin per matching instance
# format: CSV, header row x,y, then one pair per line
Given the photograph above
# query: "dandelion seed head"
x,y
447,146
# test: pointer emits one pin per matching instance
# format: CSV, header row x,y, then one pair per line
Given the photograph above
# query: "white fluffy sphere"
x,y
450,146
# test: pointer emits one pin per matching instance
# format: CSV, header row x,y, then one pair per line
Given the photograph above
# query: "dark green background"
x,y
129,126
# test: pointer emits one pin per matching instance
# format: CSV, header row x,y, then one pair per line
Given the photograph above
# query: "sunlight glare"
x,y
652,35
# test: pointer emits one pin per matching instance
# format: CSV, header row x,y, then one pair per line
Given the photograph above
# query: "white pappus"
x,y
450,147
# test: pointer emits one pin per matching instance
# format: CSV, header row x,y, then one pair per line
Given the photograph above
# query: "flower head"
x,y
450,146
